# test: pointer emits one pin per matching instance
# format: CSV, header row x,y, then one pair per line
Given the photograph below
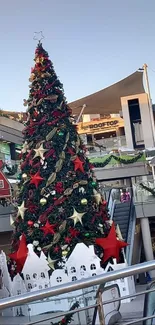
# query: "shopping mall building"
x,y
117,120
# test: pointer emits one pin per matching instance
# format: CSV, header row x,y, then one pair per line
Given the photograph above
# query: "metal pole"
x,y
149,100
82,110
100,309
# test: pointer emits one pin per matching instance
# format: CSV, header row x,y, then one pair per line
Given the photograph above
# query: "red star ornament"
x,y
56,249
68,240
20,256
78,165
36,179
111,245
74,232
48,229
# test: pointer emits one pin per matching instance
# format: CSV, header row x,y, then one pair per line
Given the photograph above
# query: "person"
x,y
125,196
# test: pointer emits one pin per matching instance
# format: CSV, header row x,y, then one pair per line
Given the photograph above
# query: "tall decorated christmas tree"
x,y
59,204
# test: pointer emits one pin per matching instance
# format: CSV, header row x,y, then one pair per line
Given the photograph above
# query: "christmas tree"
x,y
59,204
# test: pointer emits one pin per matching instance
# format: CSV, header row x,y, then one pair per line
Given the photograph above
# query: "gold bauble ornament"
x,y
64,253
24,176
43,201
84,201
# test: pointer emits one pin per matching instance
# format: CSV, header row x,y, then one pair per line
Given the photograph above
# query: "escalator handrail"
x,y
131,219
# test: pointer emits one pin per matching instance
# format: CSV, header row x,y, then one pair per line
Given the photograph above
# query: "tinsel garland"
x,y
151,190
118,159
68,318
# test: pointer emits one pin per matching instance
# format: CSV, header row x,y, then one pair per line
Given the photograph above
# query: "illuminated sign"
x,y
97,126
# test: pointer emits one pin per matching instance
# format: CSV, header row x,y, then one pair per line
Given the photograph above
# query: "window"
x,y
42,275
83,268
29,286
27,277
1,183
93,267
74,278
34,275
73,269
93,274
40,287
59,279
18,292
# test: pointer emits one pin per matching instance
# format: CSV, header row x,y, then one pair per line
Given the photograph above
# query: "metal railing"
x,y
100,147
82,284
138,193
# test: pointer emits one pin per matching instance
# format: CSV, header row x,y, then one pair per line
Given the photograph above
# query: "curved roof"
x,y
107,101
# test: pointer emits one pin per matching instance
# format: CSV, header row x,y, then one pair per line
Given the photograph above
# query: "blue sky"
x,y
91,43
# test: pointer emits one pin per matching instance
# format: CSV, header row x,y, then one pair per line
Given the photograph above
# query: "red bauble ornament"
x,y
48,228
78,165
20,256
111,245
30,223
36,179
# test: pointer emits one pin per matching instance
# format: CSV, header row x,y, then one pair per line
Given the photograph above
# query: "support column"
x,y
146,236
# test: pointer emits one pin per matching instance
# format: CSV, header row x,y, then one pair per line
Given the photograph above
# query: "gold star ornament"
x,y
40,152
51,262
77,217
12,221
21,210
97,197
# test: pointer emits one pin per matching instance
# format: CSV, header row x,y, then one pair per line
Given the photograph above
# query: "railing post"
x,y
100,308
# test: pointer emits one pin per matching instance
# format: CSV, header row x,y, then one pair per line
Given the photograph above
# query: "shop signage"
x,y
97,126
4,148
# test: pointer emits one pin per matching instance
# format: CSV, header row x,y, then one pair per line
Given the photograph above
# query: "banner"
x,y
100,125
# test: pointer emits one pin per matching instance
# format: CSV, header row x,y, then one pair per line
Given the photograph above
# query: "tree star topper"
x,y
38,36
77,217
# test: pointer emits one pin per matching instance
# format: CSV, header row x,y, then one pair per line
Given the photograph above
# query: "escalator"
x,y
123,215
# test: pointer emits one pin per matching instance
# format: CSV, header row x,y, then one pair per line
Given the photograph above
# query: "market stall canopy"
x,y
107,101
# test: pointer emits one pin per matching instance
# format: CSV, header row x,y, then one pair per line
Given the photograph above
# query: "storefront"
x,y
5,153
101,129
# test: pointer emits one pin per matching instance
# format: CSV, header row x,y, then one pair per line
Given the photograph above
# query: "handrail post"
x,y
100,308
